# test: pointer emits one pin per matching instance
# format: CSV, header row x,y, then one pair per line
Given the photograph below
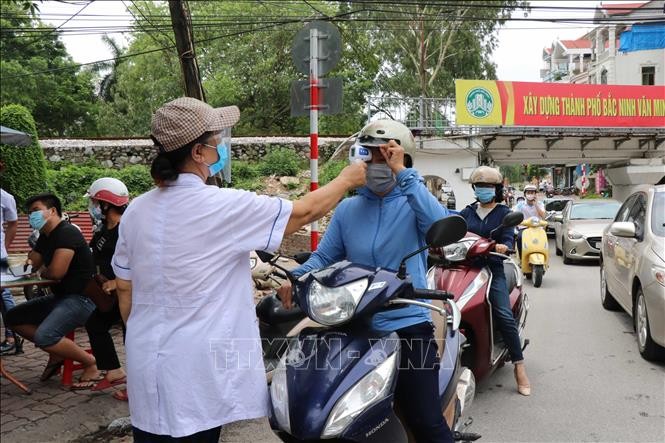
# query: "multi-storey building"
x,y
627,47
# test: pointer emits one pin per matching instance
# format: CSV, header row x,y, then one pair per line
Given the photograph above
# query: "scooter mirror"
x,y
446,231
265,257
512,219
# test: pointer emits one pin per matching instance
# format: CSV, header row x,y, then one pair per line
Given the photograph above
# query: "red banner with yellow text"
x,y
499,103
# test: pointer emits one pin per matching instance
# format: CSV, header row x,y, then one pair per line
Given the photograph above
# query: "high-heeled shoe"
x,y
523,388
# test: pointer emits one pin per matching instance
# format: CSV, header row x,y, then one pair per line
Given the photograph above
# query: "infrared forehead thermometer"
x,y
359,152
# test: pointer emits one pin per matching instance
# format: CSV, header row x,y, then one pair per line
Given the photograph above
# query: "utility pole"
x,y
181,21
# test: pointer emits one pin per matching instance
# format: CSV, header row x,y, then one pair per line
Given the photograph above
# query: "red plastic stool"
x,y
69,366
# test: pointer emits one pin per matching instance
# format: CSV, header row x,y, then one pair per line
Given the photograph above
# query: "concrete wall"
x,y
122,153
444,163
629,65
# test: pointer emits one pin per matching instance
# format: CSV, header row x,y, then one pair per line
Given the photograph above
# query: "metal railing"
x,y
418,113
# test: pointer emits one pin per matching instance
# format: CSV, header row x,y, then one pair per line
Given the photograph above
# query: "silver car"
x,y
632,267
578,234
554,205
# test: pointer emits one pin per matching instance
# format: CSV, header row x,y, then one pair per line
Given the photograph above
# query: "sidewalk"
x,y
53,413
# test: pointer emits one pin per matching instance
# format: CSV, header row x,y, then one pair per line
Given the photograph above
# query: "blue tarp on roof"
x,y
643,37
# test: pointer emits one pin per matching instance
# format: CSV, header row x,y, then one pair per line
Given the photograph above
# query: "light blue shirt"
x,y
374,231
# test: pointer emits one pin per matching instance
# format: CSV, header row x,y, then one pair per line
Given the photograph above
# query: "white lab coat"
x,y
193,349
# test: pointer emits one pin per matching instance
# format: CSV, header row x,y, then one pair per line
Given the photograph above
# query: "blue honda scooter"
x,y
337,381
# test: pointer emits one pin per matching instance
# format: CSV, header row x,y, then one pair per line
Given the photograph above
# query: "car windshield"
x,y
658,214
584,211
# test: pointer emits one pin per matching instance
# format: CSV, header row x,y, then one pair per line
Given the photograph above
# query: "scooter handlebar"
x,y
432,294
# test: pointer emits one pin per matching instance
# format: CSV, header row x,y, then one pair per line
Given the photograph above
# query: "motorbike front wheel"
x,y
537,275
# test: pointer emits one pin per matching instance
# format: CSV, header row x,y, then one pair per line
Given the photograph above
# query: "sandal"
x,y
51,369
82,385
106,383
121,395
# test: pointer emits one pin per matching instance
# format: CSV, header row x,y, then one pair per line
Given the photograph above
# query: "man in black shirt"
x,y
61,254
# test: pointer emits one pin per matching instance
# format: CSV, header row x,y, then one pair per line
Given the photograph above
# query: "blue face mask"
x,y
485,195
223,154
37,220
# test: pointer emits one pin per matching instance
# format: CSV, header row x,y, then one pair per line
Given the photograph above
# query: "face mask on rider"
x,y
485,195
380,178
95,212
37,219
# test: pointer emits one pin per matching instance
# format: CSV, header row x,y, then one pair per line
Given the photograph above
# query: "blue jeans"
x,y
8,302
502,314
417,390
55,316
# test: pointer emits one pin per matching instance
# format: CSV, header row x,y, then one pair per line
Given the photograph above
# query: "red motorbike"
x,y
453,271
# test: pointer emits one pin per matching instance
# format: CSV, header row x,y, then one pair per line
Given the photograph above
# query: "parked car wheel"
x,y
537,275
648,348
566,259
606,298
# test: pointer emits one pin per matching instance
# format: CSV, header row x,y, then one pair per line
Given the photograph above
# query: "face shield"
x,y
225,173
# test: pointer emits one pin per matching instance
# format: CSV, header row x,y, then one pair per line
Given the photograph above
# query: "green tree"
x,y
38,73
244,55
425,46
25,168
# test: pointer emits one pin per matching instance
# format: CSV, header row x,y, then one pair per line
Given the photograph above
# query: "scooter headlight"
x,y
371,389
457,251
279,395
332,306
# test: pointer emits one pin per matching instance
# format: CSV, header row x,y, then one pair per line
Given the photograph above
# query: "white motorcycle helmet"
x,y
533,188
380,132
109,190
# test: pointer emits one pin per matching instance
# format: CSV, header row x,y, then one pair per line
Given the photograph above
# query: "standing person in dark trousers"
x,y
109,198
482,218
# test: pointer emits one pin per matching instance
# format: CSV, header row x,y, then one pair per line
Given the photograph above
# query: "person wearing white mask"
x,y
531,207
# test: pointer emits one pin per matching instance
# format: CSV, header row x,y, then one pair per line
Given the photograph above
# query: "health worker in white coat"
x,y
194,358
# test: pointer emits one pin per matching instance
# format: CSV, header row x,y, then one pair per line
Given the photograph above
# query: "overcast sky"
x,y
518,55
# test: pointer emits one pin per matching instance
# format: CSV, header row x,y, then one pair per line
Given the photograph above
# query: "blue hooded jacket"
x,y
380,231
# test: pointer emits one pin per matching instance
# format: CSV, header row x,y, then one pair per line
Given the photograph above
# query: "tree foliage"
x,y
249,66
436,44
38,73
70,182
25,169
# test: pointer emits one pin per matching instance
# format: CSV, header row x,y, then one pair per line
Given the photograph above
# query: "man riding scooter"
x,y
531,233
530,208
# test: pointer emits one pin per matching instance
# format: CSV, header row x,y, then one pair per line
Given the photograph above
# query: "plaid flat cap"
x,y
185,119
